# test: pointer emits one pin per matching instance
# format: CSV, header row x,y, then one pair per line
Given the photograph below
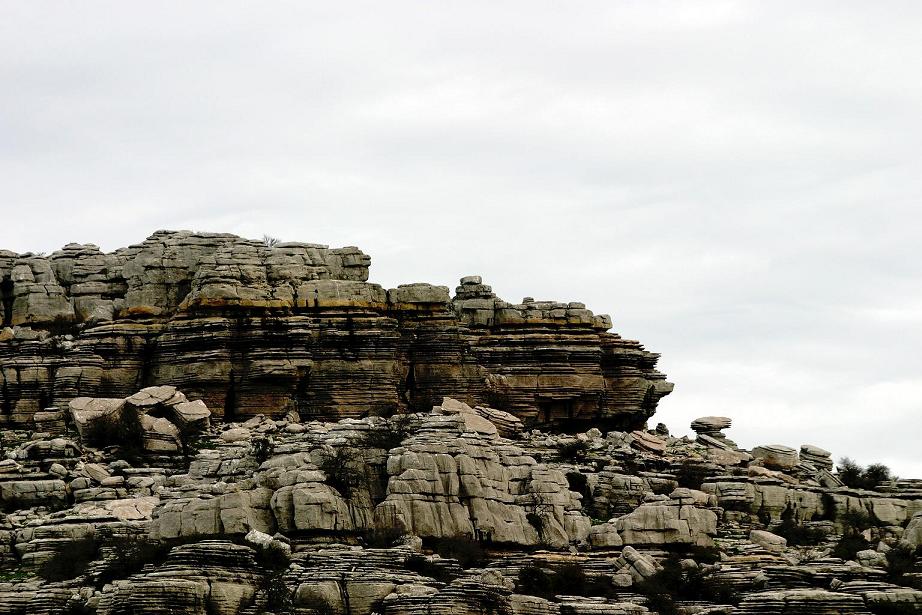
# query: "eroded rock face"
x,y
299,496
250,329
278,515
456,477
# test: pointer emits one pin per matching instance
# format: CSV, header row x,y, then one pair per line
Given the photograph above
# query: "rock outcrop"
x,y
250,329
231,429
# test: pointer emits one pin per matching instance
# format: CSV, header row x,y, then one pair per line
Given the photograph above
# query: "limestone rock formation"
x,y
203,425
250,329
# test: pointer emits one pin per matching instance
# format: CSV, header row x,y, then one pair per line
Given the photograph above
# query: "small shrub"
x,y
901,560
691,475
279,599
71,562
383,537
856,521
262,449
572,451
569,579
270,242
465,550
673,582
422,565
341,472
123,431
190,441
848,546
798,535
130,554
854,475
390,434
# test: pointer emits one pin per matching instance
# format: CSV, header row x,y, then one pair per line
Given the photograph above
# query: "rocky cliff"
x,y
307,463
250,328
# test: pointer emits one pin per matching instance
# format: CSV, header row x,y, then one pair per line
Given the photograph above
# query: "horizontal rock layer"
x,y
251,329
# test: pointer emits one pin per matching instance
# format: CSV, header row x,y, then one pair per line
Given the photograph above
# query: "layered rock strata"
x,y
434,512
251,329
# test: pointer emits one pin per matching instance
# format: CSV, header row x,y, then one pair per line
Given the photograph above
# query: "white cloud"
x,y
737,183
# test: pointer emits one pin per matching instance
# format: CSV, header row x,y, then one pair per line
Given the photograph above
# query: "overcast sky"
x,y
738,184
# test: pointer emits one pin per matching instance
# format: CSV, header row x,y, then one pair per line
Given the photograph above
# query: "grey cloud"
x,y
737,183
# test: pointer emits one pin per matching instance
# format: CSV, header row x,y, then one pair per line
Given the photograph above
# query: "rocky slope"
x,y
252,329
129,499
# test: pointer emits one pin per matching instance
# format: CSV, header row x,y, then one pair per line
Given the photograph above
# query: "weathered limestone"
x,y
776,456
455,477
249,329
816,456
679,519
163,414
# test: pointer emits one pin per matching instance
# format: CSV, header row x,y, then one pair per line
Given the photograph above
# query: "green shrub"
x,y
122,430
279,599
465,550
691,475
422,565
342,473
848,546
856,521
565,579
572,451
673,582
129,555
797,534
854,475
70,562
901,560
389,434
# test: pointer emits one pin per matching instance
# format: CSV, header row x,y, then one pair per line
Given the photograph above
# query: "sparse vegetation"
x,y
465,550
674,581
342,471
902,560
262,449
572,451
122,430
69,562
854,522
129,555
389,434
798,535
691,475
274,559
569,579
270,242
854,475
